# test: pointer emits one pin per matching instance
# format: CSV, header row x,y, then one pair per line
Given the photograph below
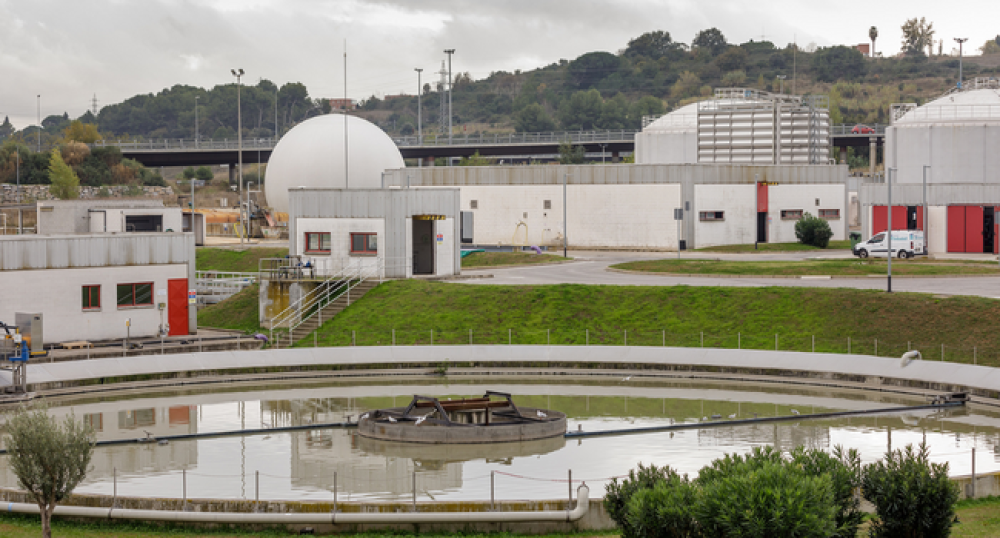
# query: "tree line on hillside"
x,y
598,90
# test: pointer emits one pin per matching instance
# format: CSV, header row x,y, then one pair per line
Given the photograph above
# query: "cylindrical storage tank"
x,y
312,155
957,135
671,139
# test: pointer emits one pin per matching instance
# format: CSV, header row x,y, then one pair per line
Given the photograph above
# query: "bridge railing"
x,y
187,144
578,137
848,129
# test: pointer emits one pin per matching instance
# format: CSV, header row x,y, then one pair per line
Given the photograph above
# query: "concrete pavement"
x,y
591,268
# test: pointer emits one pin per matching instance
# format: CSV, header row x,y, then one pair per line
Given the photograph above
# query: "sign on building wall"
x,y
440,238
192,296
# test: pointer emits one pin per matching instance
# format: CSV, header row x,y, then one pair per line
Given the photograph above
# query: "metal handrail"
x,y
357,272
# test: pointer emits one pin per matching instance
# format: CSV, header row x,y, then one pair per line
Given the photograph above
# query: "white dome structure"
x,y
957,135
671,139
312,155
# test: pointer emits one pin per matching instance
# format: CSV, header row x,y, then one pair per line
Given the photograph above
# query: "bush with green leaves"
x,y
813,231
767,500
618,494
204,173
912,496
665,511
844,469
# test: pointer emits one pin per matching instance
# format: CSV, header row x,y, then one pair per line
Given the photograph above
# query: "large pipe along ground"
x,y
334,518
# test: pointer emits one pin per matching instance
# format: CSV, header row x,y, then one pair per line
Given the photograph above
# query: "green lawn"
x,y
678,316
845,267
238,261
772,247
493,259
238,312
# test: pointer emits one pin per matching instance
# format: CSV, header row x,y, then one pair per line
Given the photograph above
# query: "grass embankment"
x,y
846,267
236,261
772,247
977,519
494,259
238,312
720,317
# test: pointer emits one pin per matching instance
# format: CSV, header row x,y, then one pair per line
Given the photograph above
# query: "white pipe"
x,y
582,506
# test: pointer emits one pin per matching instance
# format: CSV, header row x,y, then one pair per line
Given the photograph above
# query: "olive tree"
x,y
48,458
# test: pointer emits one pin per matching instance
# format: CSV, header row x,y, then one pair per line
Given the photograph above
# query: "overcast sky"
x,y
69,50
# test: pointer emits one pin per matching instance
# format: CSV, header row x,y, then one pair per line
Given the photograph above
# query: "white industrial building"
x,y
952,144
107,216
100,286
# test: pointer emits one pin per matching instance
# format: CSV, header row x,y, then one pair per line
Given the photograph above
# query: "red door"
x,y
973,228
920,217
956,228
177,306
879,222
899,217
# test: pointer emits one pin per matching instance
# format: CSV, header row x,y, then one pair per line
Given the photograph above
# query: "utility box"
x,y
467,227
30,325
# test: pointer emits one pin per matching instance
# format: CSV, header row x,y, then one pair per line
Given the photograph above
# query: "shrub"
x,y
813,231
204,173
618,495
665,511
188,173
844,469
774,499
912,497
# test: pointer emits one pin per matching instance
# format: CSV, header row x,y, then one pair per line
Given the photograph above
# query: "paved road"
x,y
591,268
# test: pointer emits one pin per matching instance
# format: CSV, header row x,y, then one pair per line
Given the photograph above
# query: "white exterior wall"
x,y
739,223
57,294
615,216
937,229
802,197
340,231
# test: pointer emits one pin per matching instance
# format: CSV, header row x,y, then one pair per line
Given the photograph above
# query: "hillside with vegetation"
x,y
652,74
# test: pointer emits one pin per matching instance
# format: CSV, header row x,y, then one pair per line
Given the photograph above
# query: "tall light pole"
x,y
926,235
238,73
39,148
960,41
420,109
888,182
565,233
449,52
781,83
276,113
195,130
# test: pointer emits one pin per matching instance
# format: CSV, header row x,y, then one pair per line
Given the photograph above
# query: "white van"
x,y
905,244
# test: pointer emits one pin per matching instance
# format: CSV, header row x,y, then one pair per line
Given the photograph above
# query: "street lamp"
x,y
39,148
195,126
781,83
926,236
449,52
238,73
960,41
888,182
420,109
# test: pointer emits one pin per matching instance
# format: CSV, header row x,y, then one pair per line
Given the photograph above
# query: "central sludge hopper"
x,y
494,418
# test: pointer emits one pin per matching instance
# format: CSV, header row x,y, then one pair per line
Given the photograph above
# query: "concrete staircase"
x,y
327,313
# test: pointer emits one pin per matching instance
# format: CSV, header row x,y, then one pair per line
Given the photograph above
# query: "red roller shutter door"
x,y
920,217
973,228
879,222
956,228
177,306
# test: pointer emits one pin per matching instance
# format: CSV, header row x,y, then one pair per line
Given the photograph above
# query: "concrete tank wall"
x,y
666,147
956,152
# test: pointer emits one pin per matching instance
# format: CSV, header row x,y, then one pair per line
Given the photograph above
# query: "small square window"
x,y
317,242
791,214
525,215
547,204
711,215
817,202
473,204
91,297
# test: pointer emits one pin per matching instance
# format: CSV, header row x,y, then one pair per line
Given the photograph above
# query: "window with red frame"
x,y
364,243
317,242
140,294
91,297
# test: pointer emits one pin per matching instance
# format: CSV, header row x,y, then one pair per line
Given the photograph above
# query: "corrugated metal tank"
x,y
957,135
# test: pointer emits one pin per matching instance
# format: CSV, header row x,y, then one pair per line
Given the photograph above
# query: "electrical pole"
x,y
960,41
39,147
888,182
238,73
565,233
926,166
276,113
449,52
420,109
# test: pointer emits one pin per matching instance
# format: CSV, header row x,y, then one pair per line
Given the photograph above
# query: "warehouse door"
x,y
956,228
762,227
973,228
911,218
177,306
989,234
762,193
423,247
